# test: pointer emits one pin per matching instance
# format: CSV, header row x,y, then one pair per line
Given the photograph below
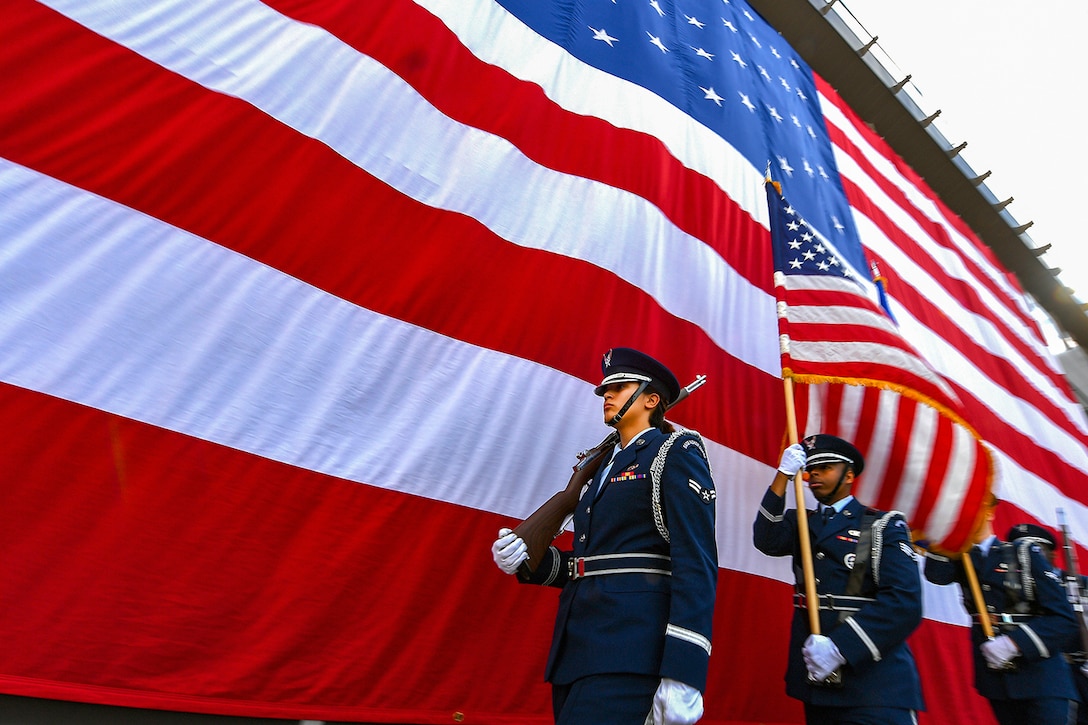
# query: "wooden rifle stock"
x,y
543,525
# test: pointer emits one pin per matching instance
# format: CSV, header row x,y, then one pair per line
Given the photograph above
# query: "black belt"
x,y
834,602
1002,618
583,566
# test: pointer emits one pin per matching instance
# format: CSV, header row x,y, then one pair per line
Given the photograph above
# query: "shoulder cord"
x,y
658,467
868,551
1027,577
878,539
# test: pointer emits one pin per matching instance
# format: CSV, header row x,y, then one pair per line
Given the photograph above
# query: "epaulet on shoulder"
x,y
681,432
883,519
692,439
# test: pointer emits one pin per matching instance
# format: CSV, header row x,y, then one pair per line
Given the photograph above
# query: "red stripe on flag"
x,y
973,500
867,415
909,245
1027,450
933,484
937,319
843,332
897,455
997,369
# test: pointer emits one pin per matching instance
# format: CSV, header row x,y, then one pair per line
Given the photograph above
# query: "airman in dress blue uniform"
x,y
632,634
1075,584
859,669
1021,670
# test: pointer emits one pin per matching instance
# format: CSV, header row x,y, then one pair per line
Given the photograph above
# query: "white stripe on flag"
x,y
840,315
864,353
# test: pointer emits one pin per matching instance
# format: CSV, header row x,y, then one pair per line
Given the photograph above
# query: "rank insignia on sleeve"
x,y
706,494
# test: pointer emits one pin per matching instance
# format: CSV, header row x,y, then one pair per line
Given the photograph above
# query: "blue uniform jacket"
x,y
649,624
880,669
1041,635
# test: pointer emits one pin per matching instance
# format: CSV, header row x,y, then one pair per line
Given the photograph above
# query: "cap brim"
x,y
826,457
621,378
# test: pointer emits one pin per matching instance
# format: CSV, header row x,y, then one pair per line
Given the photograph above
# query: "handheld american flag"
x,y
868,384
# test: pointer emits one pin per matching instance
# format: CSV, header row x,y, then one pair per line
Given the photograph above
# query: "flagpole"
x,y
976,593
812,602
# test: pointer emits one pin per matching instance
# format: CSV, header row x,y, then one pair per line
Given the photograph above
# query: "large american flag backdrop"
x,y
300,301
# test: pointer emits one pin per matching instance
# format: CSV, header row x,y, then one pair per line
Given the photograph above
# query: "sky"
x,y
1005,76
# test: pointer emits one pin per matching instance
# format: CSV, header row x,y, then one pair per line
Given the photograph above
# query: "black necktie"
x,y
827,513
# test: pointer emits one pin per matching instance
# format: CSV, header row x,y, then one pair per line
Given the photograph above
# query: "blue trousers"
x,y
1037,711
821,715
604,700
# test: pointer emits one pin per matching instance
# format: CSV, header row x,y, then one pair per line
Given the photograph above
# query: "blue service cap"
x,y
824,448
1033,532
624,365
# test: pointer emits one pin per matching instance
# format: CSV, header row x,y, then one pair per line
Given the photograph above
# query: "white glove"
x,y
999,651
793,460
822,657
509,550
675,704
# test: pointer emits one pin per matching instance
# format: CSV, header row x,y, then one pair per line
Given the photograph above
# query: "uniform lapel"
x,y
623,460
848,518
